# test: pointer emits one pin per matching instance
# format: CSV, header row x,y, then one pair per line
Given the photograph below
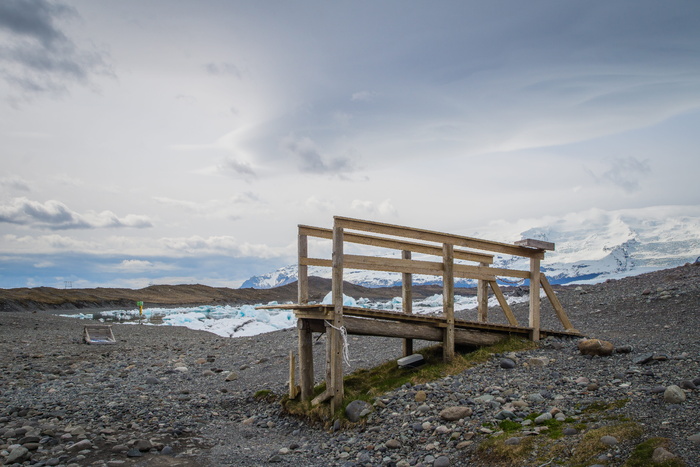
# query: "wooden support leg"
x,y
534,318
482,299
306,359
448,300
407,299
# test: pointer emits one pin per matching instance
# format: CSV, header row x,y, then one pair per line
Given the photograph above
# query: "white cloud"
x,y
140,265
310,158
314,203
14,182
384,208
363,96
55,215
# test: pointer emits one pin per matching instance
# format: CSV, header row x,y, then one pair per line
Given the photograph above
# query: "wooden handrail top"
x,y
384,242
438,237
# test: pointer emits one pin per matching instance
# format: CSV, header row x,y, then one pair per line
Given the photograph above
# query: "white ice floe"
x,y
246,320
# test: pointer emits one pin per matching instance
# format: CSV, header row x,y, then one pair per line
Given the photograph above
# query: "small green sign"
x,y
139,303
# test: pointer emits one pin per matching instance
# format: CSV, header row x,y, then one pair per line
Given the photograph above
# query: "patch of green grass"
x,y
367,384
266,395
642,454
590,445
509,426
602,406
494,450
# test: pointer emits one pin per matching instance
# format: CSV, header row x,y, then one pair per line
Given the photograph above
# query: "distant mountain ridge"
x,y
590,246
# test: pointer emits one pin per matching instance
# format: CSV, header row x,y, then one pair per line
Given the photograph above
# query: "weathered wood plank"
x,y
303,275
482,299
538,244
448,303
306,358
294,390
437,237
407,301
335,341
534,317
556,304
383,242
504,303
372,327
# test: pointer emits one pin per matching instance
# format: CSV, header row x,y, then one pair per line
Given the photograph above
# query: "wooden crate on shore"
x,y
98,334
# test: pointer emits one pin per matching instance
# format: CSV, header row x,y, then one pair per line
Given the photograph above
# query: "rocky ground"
x,y
165,396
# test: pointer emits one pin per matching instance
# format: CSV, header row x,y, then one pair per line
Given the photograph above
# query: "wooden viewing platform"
x,y
453,251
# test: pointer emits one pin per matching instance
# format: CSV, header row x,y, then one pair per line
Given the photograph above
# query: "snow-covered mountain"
x,y
591,246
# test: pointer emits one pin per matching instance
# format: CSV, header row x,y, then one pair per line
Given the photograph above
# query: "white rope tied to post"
x,y
346,346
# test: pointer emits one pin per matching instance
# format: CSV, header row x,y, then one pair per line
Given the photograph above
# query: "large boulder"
x,y
595,347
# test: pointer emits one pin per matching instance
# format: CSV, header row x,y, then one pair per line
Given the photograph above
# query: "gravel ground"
x,y
176,397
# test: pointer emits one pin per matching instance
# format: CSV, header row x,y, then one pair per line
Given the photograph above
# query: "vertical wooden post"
x,y
303,271
306,359
336,341
305,336
534,318
448,302
482,298
407,299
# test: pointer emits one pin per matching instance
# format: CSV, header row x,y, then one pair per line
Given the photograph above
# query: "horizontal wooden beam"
x,y
382,242
373,327
438,237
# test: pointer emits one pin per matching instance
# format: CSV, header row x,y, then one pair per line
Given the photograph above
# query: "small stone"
x,y
80,445
134,453
143,445
695,439
595,347
357,409
393,444
423,408
543,418
507,363
231,376
118,448
512,441
421,396
441,461
609,440
688,384
569,431
643,359
537,361
18,454
674,395
662,455
624,349
455,413
167,451
152,380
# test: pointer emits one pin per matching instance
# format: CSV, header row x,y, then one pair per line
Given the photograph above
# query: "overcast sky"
x,y
183,141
